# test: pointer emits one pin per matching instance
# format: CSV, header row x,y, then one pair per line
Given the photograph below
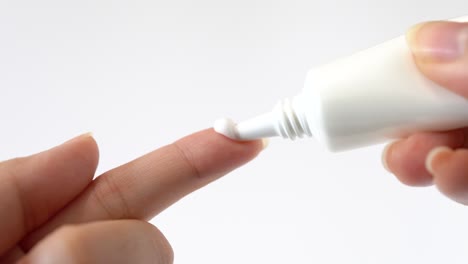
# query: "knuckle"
x,y
187,156
109,195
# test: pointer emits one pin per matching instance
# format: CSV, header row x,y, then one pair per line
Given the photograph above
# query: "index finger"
x,y
144,187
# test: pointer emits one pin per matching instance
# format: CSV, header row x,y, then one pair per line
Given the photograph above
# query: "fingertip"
x,y
78,156
386,153
439,49
215,154
240,151
116,241
406,158
401,159
82,150
449,168
243,147
435,157
89,149
438,41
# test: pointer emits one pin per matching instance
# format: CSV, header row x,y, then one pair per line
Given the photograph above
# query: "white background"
x,y
140,74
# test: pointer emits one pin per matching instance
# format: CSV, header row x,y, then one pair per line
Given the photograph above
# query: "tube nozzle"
x,y
282,121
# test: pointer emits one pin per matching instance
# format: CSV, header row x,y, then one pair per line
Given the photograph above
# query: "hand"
x,y
52,211
441,52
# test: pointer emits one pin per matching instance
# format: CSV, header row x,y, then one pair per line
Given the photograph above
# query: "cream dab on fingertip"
x,y
226,127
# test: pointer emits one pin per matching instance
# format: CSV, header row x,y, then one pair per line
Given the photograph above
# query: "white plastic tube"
x,y
370,97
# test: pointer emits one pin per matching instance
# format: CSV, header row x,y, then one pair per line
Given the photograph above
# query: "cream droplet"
x,y
226,127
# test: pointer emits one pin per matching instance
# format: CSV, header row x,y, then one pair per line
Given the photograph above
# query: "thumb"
x,y
440,50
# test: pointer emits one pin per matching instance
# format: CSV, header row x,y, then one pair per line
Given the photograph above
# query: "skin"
x,y
54,212
423,159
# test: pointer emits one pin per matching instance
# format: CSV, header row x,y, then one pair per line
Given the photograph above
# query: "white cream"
x,y
370,97
226,127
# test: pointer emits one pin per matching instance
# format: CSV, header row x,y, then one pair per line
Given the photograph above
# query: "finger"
x,y
34,188
119,241
144,187
450,171
406,158
440,51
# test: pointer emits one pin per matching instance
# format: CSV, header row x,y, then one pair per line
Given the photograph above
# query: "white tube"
x,y
370,97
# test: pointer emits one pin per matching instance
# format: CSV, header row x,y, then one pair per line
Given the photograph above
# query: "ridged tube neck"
x,y
291,121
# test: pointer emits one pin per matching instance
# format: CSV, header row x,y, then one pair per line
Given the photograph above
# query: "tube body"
x,y
373,96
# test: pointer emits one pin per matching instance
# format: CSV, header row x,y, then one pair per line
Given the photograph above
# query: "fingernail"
x,y
438,41
432,156
265,143
385,154
85,135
